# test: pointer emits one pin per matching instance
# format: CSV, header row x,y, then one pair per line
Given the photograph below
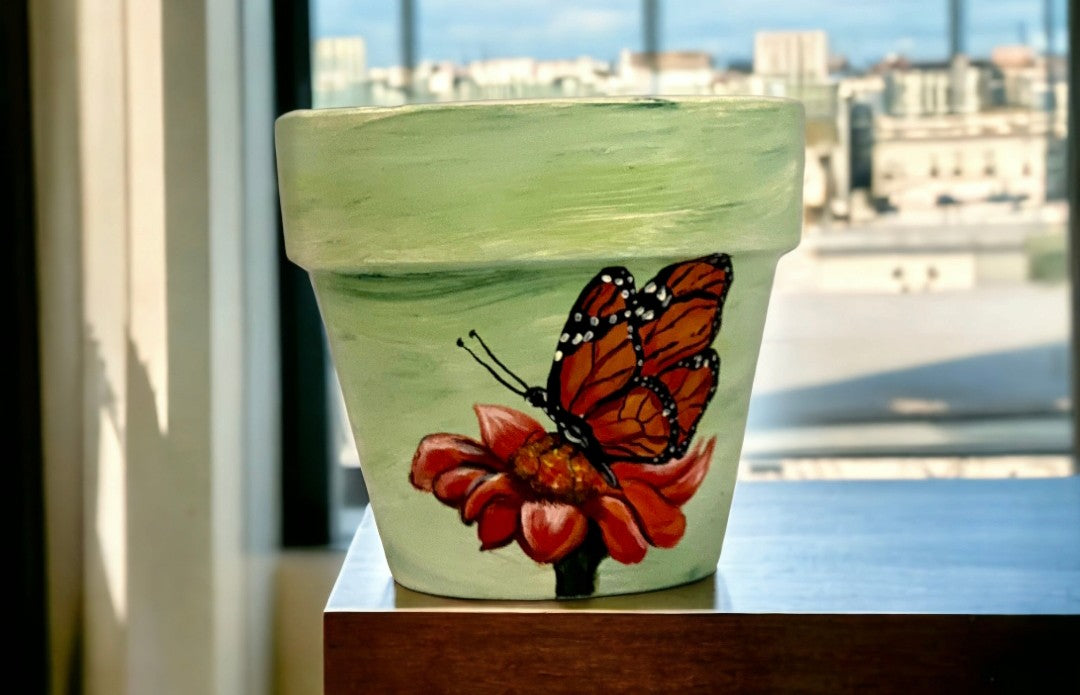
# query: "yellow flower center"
x,y
556,470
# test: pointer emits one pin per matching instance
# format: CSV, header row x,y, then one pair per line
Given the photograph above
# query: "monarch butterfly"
x,y
633,370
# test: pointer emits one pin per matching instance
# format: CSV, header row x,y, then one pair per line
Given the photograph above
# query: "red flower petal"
x,y
619,527
505,430
497,485
498,524
451,486
438,453
550,530
662,521
683,488
676,480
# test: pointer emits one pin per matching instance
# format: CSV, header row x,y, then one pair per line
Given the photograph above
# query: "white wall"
x,y
152,135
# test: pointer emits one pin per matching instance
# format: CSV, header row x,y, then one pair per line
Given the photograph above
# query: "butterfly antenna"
x,y
496,360
485,365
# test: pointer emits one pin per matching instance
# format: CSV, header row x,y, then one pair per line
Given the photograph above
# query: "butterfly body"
x,y
633,370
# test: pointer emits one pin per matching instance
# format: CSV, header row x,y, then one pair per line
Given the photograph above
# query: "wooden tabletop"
x,y
933,585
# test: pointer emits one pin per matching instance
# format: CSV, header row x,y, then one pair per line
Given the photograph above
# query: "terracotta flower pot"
x,y
545,317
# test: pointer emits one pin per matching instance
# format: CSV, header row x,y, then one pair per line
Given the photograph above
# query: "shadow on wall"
x,y
141,593
145,589
1028,381
104,602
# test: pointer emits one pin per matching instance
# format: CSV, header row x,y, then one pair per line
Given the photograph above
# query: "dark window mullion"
x,y
23,480
1073,185
305,451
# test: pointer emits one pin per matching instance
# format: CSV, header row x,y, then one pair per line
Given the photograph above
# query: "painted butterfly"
x,y
633,369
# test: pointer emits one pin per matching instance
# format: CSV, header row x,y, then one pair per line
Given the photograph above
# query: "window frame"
x,y
306,489
305,399
22,387
1073,186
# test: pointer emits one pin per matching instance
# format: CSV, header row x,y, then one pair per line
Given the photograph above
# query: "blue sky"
x,y
864,30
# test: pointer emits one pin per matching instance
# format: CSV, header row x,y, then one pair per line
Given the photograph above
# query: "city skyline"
x,y
474,29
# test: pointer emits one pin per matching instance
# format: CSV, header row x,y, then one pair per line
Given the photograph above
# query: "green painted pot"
x,y
545,317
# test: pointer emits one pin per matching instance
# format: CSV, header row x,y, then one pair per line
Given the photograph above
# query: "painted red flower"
x,y
520,483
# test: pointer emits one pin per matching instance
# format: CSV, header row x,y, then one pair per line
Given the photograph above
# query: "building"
x,y
503,72
797,56
516,78
1024,77
583,72
442,80
959,85
795,64
958,158
866,89
339,71
665,72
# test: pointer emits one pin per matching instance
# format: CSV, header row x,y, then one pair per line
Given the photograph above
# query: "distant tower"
x,y
408,43
1055,157
1048,26
958,62
956,28
650,33
1051,73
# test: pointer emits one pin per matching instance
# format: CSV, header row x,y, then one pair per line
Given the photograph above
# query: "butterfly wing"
x,y
678,312
692,384
635,366
595,377
597,353
637,424
678,316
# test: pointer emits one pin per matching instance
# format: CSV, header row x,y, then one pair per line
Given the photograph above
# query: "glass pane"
x,y
922,327
348,38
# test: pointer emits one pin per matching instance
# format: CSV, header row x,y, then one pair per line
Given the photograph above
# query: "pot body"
x,y
420,224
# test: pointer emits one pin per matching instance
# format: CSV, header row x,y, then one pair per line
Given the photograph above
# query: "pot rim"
x,y
618,100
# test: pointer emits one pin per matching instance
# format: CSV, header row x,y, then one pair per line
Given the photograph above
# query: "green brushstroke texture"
x,y
439,185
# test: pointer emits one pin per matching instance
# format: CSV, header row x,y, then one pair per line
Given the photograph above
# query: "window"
x,y
922,327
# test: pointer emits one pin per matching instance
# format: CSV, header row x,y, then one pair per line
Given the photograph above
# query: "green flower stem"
x,y
575,574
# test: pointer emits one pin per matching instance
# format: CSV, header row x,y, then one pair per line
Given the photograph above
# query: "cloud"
x,y
576,20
